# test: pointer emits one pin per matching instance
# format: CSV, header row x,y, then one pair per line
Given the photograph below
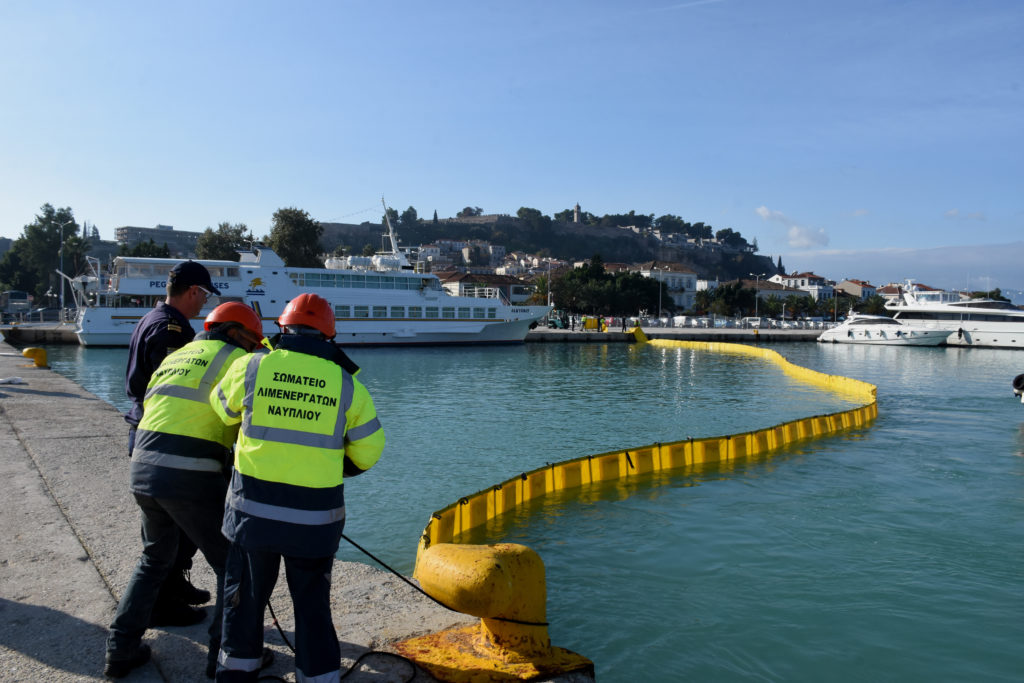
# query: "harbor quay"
x,y
72,540
56,333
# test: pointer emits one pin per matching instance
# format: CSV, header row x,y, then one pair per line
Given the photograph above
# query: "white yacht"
x,y
971,322
859,328
377,301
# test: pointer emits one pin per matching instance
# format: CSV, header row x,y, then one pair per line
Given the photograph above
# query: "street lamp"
x,y
61,252
757,291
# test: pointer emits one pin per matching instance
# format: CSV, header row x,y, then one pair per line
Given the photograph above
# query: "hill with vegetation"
x,y
616,238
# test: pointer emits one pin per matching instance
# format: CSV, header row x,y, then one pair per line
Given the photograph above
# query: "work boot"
x,y
120,667
167,613
178,587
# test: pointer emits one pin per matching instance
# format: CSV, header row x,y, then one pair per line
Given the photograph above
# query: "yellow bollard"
x,y
37,355
502,584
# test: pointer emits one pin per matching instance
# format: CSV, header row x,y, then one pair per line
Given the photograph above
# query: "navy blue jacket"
x,y
161,331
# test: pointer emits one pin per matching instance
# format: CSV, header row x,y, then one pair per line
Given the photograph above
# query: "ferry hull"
x,y
107,330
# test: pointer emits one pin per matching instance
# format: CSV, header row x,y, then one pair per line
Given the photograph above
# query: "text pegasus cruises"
x,y
377,301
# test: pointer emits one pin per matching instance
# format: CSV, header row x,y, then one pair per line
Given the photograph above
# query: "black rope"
x,y
415,587
272,677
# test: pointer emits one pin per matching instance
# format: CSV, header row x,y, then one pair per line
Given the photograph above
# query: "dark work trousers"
x,y
248,582
186,548
161,520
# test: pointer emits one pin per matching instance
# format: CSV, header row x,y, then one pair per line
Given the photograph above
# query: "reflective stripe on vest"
x,y
285,514
201,393
334,441
363,430
178,462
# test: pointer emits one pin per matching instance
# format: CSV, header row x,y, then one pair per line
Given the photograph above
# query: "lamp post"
x,y
659,294
61,252
757,291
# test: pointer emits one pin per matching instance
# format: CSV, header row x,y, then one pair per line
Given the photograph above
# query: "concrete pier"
x,y
71,533
56,333
725,334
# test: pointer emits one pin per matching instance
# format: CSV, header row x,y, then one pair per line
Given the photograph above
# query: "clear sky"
x,y
844,136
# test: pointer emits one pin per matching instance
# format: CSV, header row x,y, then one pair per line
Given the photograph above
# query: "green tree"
x,y
369,249
469,212
296,238
148,249
671,224
34,257
409,219
591,289
731,237
224,242
873,305
435,217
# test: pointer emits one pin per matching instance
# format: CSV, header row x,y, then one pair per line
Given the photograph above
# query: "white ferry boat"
x,y
377,301
971,322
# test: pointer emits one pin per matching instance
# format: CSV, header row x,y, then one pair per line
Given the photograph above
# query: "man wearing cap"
x,y
163,330
177,471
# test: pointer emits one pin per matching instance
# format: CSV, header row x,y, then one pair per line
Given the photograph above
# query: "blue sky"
x,y
844,136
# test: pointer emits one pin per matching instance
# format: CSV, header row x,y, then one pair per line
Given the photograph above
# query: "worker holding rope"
x,y
306,423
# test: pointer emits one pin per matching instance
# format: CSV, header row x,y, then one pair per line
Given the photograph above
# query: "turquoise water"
x,y
888,553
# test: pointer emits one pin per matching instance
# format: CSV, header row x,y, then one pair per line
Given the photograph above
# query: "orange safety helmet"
x,y
235,312
310,310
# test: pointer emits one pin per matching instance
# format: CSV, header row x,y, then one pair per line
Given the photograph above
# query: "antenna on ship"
x,y
395,252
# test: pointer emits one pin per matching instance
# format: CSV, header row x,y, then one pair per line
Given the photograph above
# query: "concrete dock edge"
x,y
72,540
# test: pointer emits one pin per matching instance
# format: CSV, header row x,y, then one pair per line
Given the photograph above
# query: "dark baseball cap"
x,y
190,273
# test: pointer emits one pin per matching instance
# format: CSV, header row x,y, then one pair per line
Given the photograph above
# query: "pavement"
x,y
72,541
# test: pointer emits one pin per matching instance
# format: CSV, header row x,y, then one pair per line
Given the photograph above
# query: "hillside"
x,y
573,242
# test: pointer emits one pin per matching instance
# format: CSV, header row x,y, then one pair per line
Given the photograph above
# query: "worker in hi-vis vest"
x,y
306,424
177,475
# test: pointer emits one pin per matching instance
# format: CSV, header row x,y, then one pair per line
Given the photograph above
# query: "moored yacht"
x,y
971,322
859,328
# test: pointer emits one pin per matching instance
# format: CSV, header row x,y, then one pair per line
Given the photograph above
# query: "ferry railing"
x,y
486,293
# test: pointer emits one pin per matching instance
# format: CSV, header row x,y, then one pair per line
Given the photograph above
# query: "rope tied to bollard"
x,y
420,590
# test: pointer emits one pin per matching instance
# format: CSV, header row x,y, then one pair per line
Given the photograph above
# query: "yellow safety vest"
x,y
177,405
301,415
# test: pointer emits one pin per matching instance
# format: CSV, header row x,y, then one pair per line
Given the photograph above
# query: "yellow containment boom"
x,y
503,584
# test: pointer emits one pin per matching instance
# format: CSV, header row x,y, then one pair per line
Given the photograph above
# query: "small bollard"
x,y
502,584
37,355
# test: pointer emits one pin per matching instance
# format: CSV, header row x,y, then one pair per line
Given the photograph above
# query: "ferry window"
x,y
358,281
342,311
409,283
463,312
312,280
231,272
448,312
431,312
373,281
398,311
492,313
387,282
478,312
298,279
415,312
362,311
380,311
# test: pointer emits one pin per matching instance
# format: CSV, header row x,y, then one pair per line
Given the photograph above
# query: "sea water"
x,y
892,552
